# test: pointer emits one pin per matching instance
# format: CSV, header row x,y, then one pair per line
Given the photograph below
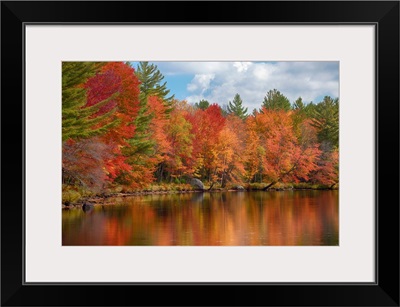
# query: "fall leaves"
x,y
119,129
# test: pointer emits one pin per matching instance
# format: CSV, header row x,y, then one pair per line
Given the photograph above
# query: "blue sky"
x,y
218,82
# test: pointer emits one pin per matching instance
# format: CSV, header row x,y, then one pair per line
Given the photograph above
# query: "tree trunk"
x,y
268,186
161,171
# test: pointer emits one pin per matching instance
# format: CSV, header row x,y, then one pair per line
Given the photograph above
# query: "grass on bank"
x,y
78,194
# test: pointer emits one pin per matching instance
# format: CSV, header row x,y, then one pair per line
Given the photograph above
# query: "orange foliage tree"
x,y
285,159
178,160
206,127
97,161
327,171
116,77
158,128
231,151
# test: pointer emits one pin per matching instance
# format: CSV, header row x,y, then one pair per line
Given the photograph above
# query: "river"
x,y
273,218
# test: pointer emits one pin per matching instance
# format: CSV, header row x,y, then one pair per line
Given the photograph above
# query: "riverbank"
x,y
77,197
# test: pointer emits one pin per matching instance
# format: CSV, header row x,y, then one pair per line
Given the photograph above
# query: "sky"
x,y
218,82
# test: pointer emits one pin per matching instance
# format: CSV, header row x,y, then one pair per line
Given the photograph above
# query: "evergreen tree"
x,y
142,142
142,147
78,120
235,107
309,109
274,100
298,104
326,119
150,78
305,109
298,116
151,83
202,104
140,150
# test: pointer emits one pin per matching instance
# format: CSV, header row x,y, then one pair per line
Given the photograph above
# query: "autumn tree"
x,y
83,163
140,149
236,107
285,160
158,128
116,77
179,160
231,151
79,120
121,77
274,100
83,124
327,171
143,147
116,84
206,127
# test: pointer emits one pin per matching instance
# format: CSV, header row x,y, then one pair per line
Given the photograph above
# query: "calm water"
x,y
228,218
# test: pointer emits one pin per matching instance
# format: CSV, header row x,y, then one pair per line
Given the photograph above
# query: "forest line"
x,y
122,130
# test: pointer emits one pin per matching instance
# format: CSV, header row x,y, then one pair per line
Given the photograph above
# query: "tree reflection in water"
x,y
208,219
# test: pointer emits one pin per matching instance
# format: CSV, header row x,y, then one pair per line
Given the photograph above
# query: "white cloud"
x,y
218,82
194,98
200,83
242,66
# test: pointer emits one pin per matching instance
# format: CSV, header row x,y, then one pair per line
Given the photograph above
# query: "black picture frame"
x,y
383,14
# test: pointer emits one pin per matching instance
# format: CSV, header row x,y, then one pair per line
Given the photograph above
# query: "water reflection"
x,y
229,218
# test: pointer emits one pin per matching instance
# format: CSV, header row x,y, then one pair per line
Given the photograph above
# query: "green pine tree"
x,y
298,104
325,118
142,142
274,100
235,107
150,77
151,83
78,122
202,104
306,109
142,145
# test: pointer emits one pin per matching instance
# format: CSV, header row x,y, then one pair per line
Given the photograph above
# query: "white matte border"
x,y
48,261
